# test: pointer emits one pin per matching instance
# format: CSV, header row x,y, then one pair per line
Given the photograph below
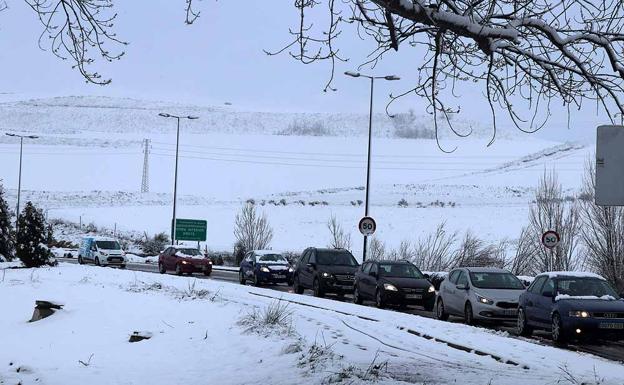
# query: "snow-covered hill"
x,y
79,114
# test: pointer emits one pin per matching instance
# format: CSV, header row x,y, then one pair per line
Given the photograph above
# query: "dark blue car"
x,y
265,266
571,305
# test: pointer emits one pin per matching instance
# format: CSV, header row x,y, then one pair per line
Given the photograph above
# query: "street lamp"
x,y
19,180
370,131
175,179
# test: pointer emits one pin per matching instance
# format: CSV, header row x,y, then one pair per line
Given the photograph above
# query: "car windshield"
x,y
189,251
583,287
489,280
400,270
108,245
335,258
271,258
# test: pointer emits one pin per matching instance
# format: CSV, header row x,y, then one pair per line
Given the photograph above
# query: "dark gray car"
x,y
478,293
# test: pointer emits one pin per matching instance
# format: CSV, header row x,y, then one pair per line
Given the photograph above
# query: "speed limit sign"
x,y
367,226
550,239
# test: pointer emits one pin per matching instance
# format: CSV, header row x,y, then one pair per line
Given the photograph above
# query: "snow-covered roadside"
x,y
196,338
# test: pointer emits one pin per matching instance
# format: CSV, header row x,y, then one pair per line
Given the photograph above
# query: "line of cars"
x,y
566,304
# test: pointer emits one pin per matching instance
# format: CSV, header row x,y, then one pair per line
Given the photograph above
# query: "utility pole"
x,y
175,177
19,181
145,179
370,136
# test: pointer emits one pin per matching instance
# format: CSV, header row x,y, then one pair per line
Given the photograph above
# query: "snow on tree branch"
x,y
524,53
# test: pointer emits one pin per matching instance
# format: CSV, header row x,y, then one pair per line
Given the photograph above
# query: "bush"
x,y
154,245
7,235
303,128
403,203
31,238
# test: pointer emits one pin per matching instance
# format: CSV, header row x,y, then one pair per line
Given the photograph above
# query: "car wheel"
x,y
97,261
207,273
441,313
521,327
557,332
379,302
256,281
178,269
80,261
122,266
241,278
316,286
357,298
161,268
468,315
297,288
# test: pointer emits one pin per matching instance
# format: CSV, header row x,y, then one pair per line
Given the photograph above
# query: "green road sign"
x,y
190,230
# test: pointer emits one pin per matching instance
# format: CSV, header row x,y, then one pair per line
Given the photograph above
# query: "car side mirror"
x,y
427,276
462,286
311,265
548,294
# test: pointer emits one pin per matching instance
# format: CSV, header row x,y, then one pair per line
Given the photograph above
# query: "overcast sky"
x,y
220,59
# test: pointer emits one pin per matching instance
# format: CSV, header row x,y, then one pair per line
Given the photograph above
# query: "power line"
x,y
346,167
145,177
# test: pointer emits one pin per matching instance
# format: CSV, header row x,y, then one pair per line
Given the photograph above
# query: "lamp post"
x,y
19,180
175,178
370,131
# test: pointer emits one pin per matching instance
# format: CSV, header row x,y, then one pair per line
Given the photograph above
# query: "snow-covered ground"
x,y
89,168
203,333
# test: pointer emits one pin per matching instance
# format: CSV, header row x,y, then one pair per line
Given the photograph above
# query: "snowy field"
x,y
96,177
202,333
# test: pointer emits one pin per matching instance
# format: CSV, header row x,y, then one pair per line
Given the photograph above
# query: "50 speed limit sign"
x,y
551,239
367,226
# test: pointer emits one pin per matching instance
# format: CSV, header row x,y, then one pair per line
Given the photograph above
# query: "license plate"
x,y
413,296
510,312
611,325
346,287
276,276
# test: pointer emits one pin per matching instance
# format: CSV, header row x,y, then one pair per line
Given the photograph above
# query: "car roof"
x,y
101,238
180,246
327,249
393,262
265,252
486,270
577,274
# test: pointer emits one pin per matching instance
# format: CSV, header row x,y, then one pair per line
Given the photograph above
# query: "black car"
x,y
571,305
325,271
393,283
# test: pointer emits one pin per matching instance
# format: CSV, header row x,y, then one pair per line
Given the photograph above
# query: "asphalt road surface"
x,y
611,350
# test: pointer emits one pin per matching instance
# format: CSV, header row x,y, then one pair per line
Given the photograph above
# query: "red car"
x,y
183,259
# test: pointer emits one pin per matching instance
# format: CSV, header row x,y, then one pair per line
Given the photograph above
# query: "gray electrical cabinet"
x,y
610,166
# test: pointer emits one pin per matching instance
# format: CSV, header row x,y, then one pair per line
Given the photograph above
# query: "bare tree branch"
x,y
74,28
524,53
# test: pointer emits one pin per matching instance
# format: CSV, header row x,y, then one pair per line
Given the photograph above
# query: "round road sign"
x,y
367,226
550,239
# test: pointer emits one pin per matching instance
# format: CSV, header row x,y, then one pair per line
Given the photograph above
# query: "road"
x,y
611,350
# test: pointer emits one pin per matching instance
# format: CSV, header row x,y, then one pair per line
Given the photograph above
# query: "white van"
x,y
101,251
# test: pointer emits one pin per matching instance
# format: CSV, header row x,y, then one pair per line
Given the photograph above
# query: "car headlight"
x,y
265,269
184,262
209,262
390,287
484,300
326,275
431,289
579,314
291,270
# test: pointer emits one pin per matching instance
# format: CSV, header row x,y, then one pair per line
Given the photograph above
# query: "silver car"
x,y
479,293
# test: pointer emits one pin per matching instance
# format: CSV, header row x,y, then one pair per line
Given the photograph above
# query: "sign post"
x,y
367,226
550,240
190,230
